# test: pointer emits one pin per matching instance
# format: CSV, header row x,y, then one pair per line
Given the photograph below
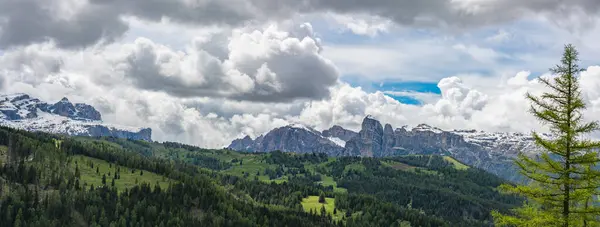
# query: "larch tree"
x,y
563,180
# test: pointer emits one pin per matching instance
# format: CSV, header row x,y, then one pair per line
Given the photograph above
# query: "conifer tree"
x,y
19,218
322,198
563,180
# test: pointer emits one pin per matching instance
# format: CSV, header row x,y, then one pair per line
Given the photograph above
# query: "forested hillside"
x,y
50,180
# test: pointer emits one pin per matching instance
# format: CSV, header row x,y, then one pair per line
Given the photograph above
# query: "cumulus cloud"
x,y
105,78
457,99
501,106
214,122
269,65
32,64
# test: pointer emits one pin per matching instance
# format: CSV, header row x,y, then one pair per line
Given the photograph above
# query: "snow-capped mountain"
x,y
505,142
25,112
489,151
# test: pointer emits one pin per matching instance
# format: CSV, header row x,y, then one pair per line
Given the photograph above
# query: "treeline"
x,y
195,200
40,186
463,197
294,160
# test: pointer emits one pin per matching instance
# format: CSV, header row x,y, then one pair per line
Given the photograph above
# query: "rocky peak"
x,y
85,111
369,140
337,131
63,108
18,106
302,127
244,144
78,111
64,100
389,139
19,97
290,138
369,123
387,129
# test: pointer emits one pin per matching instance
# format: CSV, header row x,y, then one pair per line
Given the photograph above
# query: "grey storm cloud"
x,y
100,21
259,66
24,22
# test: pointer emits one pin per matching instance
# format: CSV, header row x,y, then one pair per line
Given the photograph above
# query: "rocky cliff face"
x,y
368,142
244,144
338,132
291,138
489,151
25,112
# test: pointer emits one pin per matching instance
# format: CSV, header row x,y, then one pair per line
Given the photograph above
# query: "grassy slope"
x,y
354,166
326,180
312,203
398,165
458,165
251,164
127,180
405,167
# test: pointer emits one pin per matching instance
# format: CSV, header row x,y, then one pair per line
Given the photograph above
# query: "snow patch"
x,y
337,141
427,128
508,141
300,126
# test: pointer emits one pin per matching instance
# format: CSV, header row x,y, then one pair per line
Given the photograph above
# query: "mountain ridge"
x,y
492,152
23,111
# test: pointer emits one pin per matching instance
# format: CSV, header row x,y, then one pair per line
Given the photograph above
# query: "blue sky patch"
x,y
395,86
406,99
416,86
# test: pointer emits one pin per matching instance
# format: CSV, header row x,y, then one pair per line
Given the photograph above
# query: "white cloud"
x,y
493,104
501,36
206,79
361,24
479,54
423,97
417,59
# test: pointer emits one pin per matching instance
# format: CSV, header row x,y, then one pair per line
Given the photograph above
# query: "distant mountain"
x,y
25,112
338,132
492,152
294,137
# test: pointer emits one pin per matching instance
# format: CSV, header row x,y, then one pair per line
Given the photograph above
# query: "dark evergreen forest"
x,y
44,182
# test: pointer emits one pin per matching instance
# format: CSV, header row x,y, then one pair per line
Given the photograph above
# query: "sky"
x,y
205,72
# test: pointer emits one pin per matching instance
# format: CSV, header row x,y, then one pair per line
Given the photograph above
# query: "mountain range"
x,y
492,152
63,117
